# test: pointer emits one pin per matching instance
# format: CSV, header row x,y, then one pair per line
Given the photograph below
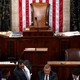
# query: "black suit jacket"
x,y
70,77
52,75
18,73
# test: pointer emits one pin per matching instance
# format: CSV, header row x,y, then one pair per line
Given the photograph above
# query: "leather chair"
x,y
40,16
72,54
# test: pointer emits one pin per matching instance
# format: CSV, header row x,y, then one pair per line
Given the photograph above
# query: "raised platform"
x,y
38,33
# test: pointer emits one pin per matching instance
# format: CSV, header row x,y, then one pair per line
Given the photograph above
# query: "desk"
x,y
64,63
36,55
64,68
13,47
8,65
38,33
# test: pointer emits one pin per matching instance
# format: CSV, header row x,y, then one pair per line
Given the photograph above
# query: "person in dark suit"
x,y
47,74
75,75
21,72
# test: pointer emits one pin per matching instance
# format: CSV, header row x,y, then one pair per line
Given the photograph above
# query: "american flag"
x,y
55,14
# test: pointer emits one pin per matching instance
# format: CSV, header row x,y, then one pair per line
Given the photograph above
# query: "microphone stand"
x,y
37,24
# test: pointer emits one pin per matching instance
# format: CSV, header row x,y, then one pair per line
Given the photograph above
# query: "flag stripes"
x,y
55,14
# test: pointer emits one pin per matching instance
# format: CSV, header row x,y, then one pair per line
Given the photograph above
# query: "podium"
x,y
38,33
36,55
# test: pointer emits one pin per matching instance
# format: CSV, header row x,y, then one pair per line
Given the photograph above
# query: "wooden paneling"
x,y
39,42
75,42
14,47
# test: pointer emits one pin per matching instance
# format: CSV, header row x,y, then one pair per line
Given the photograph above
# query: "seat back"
x,y
40,15
72,54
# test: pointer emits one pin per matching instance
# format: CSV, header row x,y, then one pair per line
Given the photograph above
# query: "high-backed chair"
x,y
40,16
72,54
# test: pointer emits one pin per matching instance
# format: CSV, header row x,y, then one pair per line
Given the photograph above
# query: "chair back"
x,y
40,15
72,54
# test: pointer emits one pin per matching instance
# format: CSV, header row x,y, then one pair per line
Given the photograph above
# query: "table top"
x,y
63,62
9,63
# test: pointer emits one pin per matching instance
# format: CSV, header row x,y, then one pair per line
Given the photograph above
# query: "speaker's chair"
x,y
39,16
72,54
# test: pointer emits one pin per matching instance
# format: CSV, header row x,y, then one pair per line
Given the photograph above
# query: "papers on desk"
x,y
73,33
6,62
4,33
16,34
11,34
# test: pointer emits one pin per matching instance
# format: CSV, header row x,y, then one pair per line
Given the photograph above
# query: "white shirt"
x,y
77,78
28,72
3,79
47,77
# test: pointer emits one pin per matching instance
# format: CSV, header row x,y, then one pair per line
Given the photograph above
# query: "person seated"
x,y
6,74
75,75
47,74
21,72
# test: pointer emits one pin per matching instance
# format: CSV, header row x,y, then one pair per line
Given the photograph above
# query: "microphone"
x,y
37,23
36,18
